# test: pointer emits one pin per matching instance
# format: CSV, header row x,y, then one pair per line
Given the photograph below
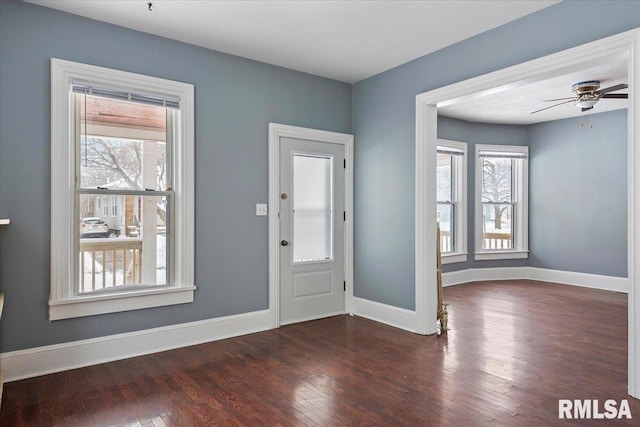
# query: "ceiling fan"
x,y
587,94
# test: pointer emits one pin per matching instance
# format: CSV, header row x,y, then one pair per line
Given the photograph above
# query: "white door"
x,y
311,229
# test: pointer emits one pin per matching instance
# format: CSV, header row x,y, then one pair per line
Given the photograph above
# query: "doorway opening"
x,y
427,105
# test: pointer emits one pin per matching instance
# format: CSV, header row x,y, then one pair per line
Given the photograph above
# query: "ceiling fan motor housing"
x,y
588,86
587,96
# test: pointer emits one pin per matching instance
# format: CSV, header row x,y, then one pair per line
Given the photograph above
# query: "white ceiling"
x,y
351,40
344,40
514,103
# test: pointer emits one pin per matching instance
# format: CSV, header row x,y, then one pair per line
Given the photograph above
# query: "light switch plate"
x,y
261,209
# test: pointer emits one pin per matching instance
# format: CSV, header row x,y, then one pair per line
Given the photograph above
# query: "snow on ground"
x,y
107,270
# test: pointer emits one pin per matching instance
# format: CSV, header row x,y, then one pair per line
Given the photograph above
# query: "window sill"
x,y
485,256
454,257
117,302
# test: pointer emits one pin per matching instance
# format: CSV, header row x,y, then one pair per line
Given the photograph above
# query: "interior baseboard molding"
x,y
595,281
21,364
383,313
479,274
457,277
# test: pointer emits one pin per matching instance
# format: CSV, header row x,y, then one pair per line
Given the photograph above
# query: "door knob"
x,y
284,243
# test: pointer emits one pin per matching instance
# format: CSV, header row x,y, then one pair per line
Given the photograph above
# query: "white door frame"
x,y
277,131
539,69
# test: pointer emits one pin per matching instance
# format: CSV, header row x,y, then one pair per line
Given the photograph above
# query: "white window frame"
x,y
64,301
520,198
460,196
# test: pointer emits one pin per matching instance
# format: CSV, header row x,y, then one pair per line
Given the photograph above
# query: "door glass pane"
x,y
127,249
497,226
312,208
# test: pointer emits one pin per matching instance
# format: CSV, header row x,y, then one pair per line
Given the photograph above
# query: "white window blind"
x,y
502,155
450,151
121,95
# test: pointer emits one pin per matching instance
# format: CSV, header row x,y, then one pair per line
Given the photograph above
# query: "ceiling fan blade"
x,y
587,109
558,99
546,108
616,96
611,89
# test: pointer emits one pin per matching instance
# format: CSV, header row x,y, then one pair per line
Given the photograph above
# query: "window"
x,y
114,206
451,180
122,191
501,202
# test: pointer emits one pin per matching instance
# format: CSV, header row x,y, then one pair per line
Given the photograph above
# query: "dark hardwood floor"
x,y
513,350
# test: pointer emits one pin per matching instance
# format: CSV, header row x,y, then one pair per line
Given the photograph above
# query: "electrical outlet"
x,y
261,209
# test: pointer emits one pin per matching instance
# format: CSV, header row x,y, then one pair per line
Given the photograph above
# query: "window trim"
x,y
63,301
460,191
520,248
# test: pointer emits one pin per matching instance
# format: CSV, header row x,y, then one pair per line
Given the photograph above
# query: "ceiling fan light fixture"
x,y
586,103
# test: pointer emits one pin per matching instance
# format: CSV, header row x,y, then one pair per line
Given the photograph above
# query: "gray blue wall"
x,y
384,125
235,99
578,195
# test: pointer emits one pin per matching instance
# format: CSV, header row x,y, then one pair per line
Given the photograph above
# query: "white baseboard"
x,y
480,274
595,281
17,365
21,364
456,277
383,313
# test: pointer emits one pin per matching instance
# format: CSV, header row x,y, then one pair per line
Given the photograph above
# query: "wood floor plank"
x,y
513,349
